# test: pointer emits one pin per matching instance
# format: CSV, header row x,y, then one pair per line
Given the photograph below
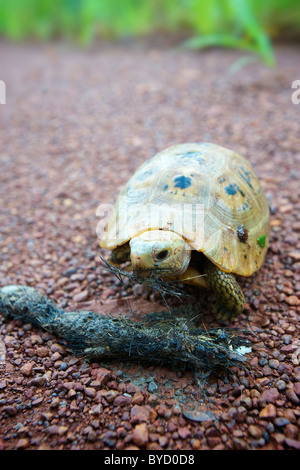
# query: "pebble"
x,y
269,411
152,387
291,395
81,296
122,400
271,395
293,443
184,432
140,434
103,375
90,392
22,443
26,369
140,414
292,300
255,431
37,381
11,410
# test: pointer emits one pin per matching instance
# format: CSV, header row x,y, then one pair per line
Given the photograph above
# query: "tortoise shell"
x,y
208,194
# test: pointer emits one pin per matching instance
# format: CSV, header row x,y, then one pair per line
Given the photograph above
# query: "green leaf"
x,y
262,241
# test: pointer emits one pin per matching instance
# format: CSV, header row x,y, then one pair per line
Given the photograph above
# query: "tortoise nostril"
x,y
162,255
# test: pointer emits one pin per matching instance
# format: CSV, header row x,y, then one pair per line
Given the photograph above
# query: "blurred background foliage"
x,y
246,24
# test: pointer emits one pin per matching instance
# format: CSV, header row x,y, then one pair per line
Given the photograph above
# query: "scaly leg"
x,y
230,298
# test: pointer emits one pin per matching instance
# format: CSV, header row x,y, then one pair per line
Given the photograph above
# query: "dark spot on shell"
x,y
246,176
182,182
230,189
221,180
240,191
165,187
245,256
225,249
244,206
242,233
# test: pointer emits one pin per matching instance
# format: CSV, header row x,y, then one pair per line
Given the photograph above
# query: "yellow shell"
x,y
207,194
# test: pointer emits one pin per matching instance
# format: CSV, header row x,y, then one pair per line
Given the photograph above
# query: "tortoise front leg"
x,y
120,255
230,298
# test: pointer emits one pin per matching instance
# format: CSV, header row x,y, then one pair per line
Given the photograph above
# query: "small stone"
x,y
292,300
103,375
95,384
52,429
55,356
122,400
291,395
42,351
255,431
54,403
240,444
96,410
81,296
137,398
291,431
57,348
297,388
69,385
163,441
279,422
90,392
11,410
62,430
130,388
26,369
196,444
197,415
152,387
281,385
268,412
295,444
37,401
271,395
3,384
92,435
109,395
184,432
139,414
274,363
71,393
140,434
22,443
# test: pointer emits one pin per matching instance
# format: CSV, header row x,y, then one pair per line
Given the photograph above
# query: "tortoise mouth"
x,y
159,271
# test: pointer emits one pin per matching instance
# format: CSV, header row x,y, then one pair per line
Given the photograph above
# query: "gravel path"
x,y
75,127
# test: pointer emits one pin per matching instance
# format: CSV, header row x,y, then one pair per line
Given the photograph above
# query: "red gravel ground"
x,y
75,127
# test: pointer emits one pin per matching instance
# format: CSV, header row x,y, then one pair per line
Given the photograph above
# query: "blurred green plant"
x,y
243,24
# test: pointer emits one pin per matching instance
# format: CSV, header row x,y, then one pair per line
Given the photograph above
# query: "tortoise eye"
x,y
162,255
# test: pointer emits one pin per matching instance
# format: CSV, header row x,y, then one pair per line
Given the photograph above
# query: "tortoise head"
x,y
160,251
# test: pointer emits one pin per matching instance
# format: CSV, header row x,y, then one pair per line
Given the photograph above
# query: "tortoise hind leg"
x,y
230,298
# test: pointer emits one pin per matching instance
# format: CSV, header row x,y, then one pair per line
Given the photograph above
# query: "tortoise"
x,y
195,213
